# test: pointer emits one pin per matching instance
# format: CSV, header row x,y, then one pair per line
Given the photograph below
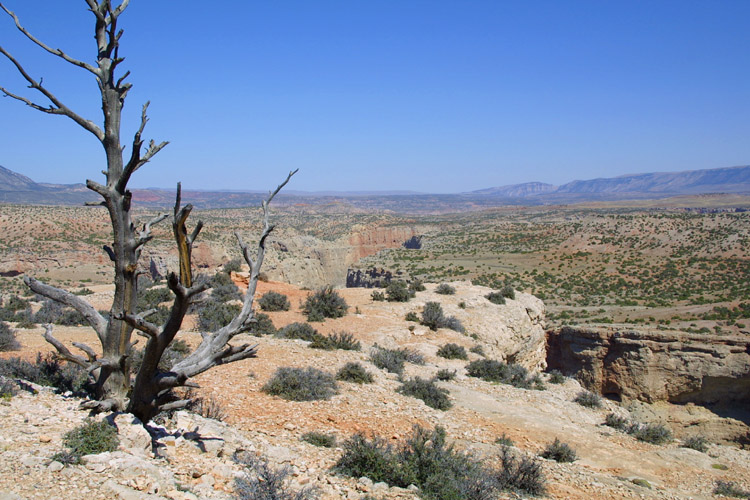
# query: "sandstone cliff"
x,y
655,365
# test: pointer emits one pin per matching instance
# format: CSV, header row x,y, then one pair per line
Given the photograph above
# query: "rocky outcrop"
x,y
654,365
368,278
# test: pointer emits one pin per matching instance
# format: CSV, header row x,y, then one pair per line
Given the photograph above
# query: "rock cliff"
x,y
655,365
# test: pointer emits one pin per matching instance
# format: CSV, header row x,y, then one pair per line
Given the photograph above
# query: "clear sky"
x,y
424,95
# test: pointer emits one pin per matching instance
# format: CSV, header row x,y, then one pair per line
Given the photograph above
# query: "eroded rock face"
x,y
654,365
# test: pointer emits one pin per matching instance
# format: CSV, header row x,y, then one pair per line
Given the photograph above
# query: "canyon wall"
x,y
654,365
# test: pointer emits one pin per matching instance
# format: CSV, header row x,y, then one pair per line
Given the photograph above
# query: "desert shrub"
x,y
208,407
412,316
233,266
522,474
445,289
425,460
452,351
325,303
641,482
226,293
462,305
559,452
83,291
8,340
426,390
496,371
698,443
302,331
337,340
555,377
616,422
477,349
393,360
8,388
15,304
504,440
588,399
650,433
149,298
319,439
432,315
378,296
445,375
730,489
215,315
274,301
508,292
301,384
259,481
46,370
220,279
354,372
434,318
89,438
398,291
54,312
537,383
495,298
263,325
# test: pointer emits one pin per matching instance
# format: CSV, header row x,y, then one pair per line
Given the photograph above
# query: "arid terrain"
x,y
655,297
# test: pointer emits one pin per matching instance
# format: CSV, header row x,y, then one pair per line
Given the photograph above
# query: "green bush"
x,y
559,452
173,354
233,266
398,291
301,384
393,360
325,303
426,390
452,351
730,489
477,349
208,407
412,316
616,422
496,371
319,439
8,388
445,375
555,377
354,372
337,340
698,443
215,315
434,318
416,286
302,331
150,298
54,312
263,325
440,472
504,440
8,340
89,438
226,293
274,301
650,433
378,296
495,298
508,292
260,481
47,371
522,474
588,399
445,289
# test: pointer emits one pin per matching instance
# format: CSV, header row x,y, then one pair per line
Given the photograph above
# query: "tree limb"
x,y
96,320
57,52
58,107
63,351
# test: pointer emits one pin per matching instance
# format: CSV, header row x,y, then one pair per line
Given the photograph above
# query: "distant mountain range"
x,y
653,185
19,189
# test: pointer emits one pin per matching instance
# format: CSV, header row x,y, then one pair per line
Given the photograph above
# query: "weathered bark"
x,y
111,370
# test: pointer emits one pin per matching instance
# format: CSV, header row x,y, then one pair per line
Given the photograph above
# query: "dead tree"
x,y
114,389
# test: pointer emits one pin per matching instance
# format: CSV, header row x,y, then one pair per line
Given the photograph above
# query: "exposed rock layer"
x,y
654,365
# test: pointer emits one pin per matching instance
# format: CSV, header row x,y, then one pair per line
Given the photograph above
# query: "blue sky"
x,y
432,96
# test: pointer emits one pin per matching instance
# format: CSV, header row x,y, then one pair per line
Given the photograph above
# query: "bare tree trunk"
x,y
152,390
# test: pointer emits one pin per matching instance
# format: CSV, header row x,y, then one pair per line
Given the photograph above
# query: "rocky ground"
x,y
191,456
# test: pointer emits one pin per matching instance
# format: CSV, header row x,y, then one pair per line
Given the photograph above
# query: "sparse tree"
x,y
113,389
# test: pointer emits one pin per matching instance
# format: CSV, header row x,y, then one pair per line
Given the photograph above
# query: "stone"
x,y
134,438
55,466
